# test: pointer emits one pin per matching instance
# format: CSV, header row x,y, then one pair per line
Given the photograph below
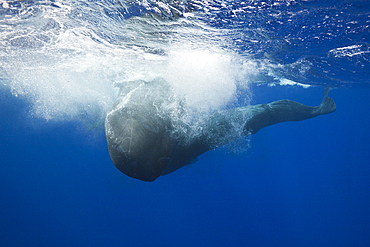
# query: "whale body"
x,y
146,137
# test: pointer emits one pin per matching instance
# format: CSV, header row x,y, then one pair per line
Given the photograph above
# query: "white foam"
x,y
74,73
84,84
349,51
204,78
286,82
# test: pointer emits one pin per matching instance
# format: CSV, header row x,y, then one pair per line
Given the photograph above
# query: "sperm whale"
x,y
145,142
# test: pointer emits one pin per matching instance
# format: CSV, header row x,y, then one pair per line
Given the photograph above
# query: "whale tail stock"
x,y
255,117
264,115
222,127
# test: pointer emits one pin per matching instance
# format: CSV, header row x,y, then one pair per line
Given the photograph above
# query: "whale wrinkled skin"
x,y
146,137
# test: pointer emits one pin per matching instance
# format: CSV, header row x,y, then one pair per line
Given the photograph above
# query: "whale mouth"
x,y
131,170
142,170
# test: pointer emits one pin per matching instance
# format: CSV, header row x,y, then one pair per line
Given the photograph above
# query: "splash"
x,y
68,68
67,61
205,79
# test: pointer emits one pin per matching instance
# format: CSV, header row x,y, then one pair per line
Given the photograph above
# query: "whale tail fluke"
x,y
327,104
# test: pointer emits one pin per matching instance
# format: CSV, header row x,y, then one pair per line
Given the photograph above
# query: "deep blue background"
x,y
300,184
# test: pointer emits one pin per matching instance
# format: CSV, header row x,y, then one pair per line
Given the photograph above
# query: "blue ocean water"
x,y
291,184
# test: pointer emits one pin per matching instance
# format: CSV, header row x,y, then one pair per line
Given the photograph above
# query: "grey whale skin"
x,y
146,141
